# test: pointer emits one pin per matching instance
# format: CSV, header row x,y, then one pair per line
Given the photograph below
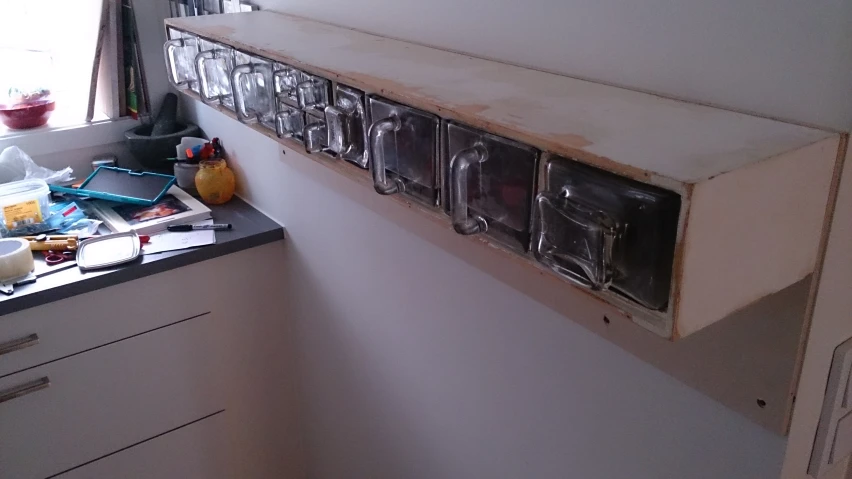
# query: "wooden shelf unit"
x,y
753,190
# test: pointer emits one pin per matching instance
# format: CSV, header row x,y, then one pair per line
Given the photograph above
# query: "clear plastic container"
x,y
24,207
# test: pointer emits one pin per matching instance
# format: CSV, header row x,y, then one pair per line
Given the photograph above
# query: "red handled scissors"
x,y
52,258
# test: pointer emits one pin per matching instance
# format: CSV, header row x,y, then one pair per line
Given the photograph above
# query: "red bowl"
x,y
30,115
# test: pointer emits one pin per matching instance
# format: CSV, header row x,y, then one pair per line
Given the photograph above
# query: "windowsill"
x,y
56,137
65,115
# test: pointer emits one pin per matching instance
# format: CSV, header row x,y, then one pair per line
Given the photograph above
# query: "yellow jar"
x,y
215,182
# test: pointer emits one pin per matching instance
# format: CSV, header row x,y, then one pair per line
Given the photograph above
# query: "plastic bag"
x,y
64,214
16,165
83,228
68,218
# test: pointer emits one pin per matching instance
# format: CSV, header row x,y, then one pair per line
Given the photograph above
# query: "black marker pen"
x,y
185,228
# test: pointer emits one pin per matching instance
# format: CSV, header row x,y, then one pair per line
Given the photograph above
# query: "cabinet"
x,y
744,197
148,366
737,202
198,450
112,396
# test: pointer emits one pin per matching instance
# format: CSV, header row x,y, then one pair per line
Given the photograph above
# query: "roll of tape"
x,y
16,259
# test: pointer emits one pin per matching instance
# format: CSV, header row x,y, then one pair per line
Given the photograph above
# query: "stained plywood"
x,y
753,232
753,190
748,356
829,325
643,136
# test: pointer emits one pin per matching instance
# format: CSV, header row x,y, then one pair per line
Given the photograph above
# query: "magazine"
x,y
177,207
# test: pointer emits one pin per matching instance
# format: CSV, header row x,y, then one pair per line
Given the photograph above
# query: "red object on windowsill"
x,y
27,115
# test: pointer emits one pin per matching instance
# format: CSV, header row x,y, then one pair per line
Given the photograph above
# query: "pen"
x,y
185,228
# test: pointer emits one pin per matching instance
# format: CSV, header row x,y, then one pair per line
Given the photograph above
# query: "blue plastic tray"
x,y
122,185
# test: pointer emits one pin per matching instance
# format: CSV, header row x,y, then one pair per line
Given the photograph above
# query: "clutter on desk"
x,y
185,176
176,207
41,255
199,226
53,258
82,228
152,145
43,268
104,160
187,146
40,237
25,207
69,218
215,182
121,185
195,150
45,264
16,259
196,236
16,165
110,250
64,214
185,167
45,242
8,287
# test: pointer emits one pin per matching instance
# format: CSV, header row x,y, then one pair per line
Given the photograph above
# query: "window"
x,y
47,52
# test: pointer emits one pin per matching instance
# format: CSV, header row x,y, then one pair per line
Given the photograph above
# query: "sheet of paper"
x,y
167,241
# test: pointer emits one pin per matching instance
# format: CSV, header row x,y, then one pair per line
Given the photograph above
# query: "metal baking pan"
x,y
110,250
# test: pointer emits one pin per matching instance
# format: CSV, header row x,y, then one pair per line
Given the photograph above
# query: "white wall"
x,y
416,365
790,59
455,375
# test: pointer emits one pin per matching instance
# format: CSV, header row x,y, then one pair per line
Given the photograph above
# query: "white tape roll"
x,y
16,259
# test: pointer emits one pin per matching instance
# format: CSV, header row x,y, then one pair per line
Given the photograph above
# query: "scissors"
x,y
52,258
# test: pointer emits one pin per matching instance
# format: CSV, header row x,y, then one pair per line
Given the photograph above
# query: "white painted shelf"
x,y
754,190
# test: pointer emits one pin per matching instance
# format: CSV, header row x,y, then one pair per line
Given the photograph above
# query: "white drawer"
x,y
86,321
195,451
112,397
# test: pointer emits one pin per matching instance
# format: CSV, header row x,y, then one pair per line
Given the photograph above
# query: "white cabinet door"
x,y
195,451
89,320
112,397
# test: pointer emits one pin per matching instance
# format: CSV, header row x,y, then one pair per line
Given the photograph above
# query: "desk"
x,y
178,364
250,228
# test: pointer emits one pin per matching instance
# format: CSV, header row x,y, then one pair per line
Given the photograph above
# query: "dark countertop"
x,y
250,228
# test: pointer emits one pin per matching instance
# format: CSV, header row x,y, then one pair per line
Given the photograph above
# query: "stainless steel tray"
x,y
109,250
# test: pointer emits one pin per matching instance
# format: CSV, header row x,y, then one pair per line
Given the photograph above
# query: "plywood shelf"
x,y
642,136
754,190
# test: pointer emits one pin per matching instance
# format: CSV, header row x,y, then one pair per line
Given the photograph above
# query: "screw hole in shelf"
x,y
761,403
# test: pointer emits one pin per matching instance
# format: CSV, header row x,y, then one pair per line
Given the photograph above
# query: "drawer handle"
x,y
378,130
20,343
204,82
24,389
171,61
460,164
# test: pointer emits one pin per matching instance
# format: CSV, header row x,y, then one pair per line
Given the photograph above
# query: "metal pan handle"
x,y
377,167
240,99
460,164
201,73
169,52
316,137
288,123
